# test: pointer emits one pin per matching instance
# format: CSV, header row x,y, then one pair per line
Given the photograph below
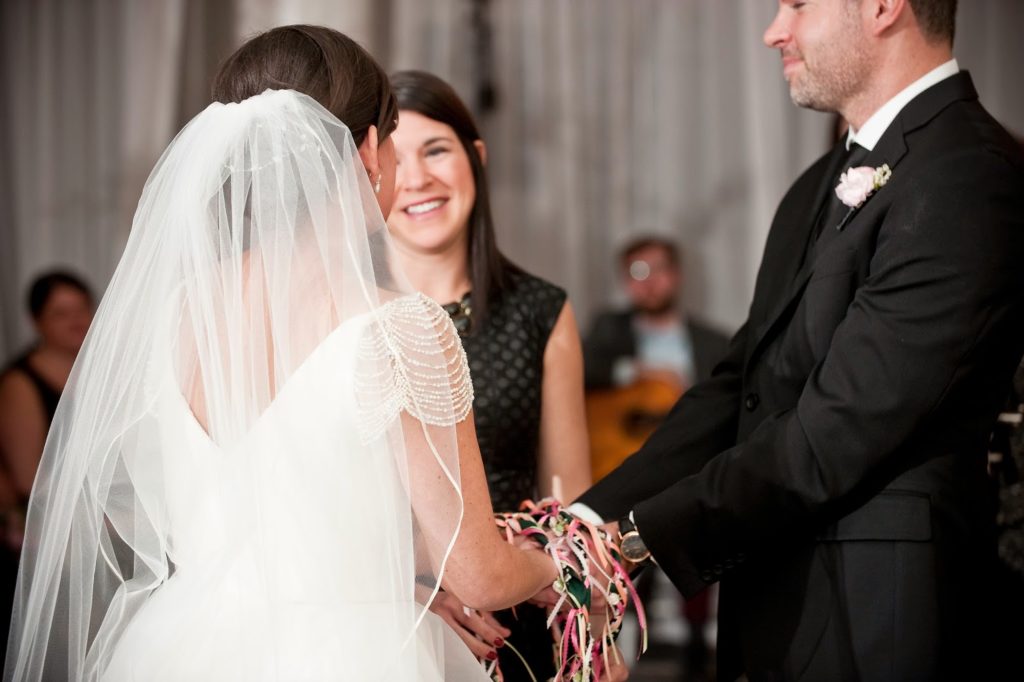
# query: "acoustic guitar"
x,y
619,420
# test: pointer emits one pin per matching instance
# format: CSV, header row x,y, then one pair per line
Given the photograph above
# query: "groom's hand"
x,y
617,670
481,632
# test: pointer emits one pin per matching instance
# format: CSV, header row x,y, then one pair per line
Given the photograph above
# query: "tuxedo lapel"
x,y
891,149
892,146
790,273
826,186
793,230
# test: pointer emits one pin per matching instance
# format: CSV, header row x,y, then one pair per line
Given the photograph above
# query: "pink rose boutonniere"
x,y
857,184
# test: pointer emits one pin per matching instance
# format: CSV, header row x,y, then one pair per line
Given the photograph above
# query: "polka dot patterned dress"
x,y
506,364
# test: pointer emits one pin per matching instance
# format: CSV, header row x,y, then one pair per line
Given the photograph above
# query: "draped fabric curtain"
x,y
612,118
93,92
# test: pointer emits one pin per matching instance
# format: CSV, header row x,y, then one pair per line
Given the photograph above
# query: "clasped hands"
x,y
483,634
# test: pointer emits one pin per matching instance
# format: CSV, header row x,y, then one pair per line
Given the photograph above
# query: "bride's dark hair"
x,y
320,62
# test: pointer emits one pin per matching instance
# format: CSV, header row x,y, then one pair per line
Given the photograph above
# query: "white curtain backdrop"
x,y
91,97
613,118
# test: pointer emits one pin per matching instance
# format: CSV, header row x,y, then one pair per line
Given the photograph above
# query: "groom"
x,y
832,472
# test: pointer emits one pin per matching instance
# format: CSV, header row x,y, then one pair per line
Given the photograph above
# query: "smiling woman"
x,y
519,333
438,190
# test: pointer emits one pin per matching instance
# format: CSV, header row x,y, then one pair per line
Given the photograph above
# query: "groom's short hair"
x,y
937,18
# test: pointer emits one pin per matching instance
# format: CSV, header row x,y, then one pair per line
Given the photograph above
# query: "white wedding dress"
x,y
253,473
286,556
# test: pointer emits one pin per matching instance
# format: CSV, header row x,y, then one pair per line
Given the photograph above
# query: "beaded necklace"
x,y
461,313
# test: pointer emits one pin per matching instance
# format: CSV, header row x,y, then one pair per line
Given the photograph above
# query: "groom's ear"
x,y
882,15
368,153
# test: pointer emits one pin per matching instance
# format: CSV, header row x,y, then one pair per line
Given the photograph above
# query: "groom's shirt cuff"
x,y
586,513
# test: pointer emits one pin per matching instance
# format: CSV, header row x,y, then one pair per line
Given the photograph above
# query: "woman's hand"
x,y
481,632
617,670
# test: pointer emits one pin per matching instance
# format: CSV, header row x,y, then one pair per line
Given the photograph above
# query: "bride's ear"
x,y
368,153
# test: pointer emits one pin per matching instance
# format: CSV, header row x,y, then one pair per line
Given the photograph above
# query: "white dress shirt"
x,y
874,127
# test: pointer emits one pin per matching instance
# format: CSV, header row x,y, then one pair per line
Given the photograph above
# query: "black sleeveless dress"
x,y
506,363
47,393
9,557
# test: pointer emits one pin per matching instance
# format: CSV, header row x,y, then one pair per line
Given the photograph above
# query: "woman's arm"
x,y
564,445
445,470
483,570
22,429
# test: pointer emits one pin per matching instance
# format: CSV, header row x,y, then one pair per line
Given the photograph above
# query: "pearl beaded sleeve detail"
x,y
411,359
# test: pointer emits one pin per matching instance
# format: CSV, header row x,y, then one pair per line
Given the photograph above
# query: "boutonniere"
x,y
857,184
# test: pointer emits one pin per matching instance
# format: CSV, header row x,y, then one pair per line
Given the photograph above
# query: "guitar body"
x,y
619,420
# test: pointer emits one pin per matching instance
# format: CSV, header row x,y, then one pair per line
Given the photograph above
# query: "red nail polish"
x,y
492,655
498,641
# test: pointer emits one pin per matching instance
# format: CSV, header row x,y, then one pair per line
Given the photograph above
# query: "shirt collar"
x,y
874,127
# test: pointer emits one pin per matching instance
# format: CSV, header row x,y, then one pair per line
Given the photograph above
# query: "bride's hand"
x,y
481,632
617,670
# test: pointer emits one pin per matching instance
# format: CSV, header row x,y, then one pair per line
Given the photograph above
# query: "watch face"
x,y
633,547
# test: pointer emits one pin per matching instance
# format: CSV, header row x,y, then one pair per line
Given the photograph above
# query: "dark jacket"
x,y
612,337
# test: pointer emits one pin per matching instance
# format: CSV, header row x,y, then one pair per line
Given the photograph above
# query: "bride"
x,y
264,465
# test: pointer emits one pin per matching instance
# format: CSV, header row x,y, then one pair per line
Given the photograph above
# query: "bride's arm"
x,y
483,570
412,362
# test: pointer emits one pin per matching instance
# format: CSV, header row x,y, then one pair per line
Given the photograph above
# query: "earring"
x,y
376,185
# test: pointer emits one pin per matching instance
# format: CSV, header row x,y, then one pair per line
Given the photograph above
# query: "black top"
x,y
49,396
47,393
506,362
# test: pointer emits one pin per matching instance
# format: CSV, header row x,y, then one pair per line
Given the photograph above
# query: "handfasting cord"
x,y
587,559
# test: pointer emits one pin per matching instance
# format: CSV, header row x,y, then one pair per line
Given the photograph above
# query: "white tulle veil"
x,y
257,237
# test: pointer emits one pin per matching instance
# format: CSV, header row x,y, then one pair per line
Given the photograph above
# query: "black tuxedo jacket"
x,y
612,337
832,472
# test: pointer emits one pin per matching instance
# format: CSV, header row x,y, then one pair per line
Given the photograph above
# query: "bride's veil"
x,y
256,239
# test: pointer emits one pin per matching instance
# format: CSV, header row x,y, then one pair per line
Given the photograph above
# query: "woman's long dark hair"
x,y
489,271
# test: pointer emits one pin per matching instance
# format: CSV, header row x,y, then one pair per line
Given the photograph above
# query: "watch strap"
x,y
626,524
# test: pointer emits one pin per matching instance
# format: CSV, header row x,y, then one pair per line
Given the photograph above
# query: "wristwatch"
x,y
630,543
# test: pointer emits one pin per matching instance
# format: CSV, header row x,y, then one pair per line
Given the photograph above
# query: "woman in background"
x,y
518,330
61,307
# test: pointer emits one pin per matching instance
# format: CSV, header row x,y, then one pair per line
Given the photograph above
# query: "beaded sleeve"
x,y
411,359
